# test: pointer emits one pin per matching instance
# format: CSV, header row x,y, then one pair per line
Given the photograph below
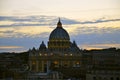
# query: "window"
x,y
94,78
111,78
100,78
117,78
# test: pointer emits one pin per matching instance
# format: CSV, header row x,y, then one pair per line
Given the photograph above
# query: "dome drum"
x,y
61,44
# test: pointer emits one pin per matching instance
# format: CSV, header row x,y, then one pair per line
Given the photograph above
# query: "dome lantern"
x,y
59,24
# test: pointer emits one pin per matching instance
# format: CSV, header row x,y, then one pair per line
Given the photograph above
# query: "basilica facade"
x,y
59,53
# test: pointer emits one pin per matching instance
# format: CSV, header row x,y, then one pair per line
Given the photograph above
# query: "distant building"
x,y
105,65
103,74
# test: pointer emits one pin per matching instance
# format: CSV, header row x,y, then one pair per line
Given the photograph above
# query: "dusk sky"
x,y
93,24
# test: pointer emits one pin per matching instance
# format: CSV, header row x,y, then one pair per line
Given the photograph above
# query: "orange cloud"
x,y
99,46
10,47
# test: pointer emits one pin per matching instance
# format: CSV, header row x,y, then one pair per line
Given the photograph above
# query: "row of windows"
x,y
59,43
104,78
105,72
52,54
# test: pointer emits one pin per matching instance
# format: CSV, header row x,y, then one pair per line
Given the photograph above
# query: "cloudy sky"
x,y
93,24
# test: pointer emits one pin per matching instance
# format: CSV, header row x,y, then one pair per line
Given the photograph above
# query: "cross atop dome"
x,y
59,24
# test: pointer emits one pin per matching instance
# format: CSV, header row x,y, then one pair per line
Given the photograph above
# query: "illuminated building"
x,y
61,52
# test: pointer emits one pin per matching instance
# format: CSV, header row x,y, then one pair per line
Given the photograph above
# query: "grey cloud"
x,y
27,18
22,24
43,20
96,38
8,32
96,30
13,18
99,21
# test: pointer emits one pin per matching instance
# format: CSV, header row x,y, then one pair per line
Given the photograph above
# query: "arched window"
x,y
56,64
117,78
111,78
100,78
94,78
33,66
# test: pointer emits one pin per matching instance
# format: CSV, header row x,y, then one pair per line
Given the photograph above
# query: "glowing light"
x,y
65,54
77,63
45,54
70,54
33,63
55,62
40,54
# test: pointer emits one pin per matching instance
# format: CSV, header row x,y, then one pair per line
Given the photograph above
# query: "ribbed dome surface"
x,y
59,34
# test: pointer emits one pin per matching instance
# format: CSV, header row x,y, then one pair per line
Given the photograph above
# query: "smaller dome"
x,y
42,46
74,48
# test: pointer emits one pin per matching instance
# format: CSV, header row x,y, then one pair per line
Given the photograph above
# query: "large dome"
x,y
59,33
59,40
